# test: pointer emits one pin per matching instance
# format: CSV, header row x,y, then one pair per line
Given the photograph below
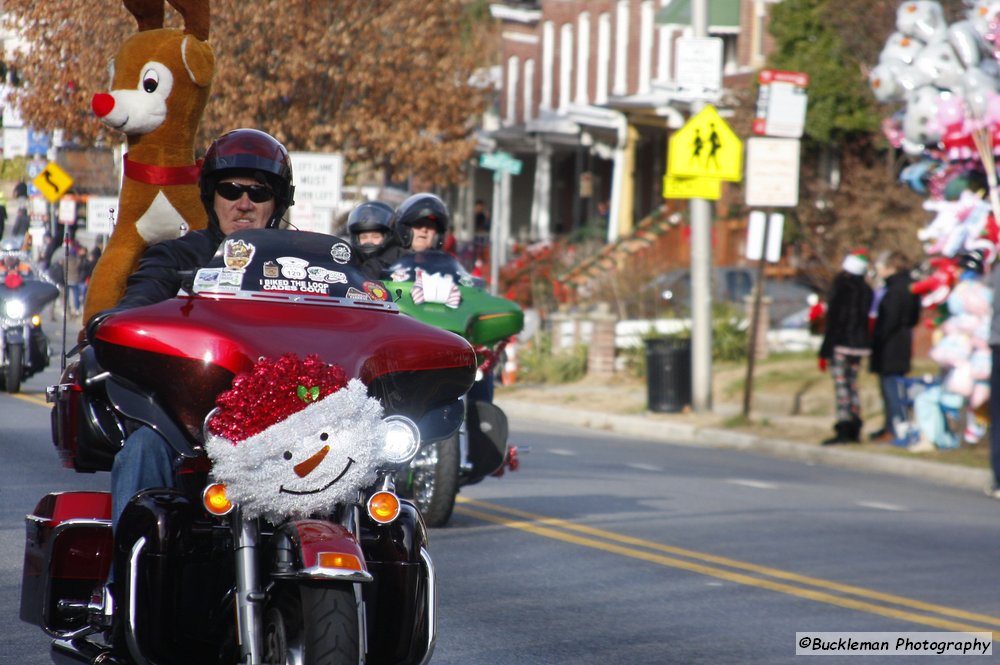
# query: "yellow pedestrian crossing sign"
x,y
705,147
52,182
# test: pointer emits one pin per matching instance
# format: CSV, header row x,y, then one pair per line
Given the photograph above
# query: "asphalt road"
x,y
603,549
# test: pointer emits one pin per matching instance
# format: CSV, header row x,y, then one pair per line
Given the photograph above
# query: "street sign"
x,y
101,214
52,182
501,161
772,172
318,179
705,147
692,188
781,103
699,66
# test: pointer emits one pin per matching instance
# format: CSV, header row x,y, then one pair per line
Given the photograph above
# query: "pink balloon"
x,y
992,115
951,111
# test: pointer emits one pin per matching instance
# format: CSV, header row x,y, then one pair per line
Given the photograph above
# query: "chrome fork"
x,y
249,597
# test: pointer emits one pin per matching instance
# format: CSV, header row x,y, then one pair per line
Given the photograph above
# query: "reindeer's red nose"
x,y
103,104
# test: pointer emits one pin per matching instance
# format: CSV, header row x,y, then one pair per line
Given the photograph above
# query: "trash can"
x,y
668,374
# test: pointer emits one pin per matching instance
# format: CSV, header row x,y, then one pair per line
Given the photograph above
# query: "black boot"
x,y
844,434
854,431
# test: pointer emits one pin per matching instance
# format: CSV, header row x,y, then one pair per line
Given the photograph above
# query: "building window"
x,y
529,89
565,64
621,48
513,72
548,63
603,57
646,45
665,53
583,58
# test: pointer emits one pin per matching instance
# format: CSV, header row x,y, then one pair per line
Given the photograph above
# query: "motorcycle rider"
x,y
372,236
421,221
246,183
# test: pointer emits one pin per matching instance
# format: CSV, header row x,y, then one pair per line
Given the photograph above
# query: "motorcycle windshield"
x,y
298,266
35,295
271,292
433,287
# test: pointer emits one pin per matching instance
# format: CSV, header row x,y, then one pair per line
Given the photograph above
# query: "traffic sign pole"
x,y
701,266
503,165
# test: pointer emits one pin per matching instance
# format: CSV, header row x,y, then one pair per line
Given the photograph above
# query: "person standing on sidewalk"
x,y
846,343
994,403
892,342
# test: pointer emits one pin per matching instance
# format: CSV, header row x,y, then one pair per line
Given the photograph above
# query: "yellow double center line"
x,y
34,398
732,570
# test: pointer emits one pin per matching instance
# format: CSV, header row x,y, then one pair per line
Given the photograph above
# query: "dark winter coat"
x,y
159,274
377,266
892,341
847,315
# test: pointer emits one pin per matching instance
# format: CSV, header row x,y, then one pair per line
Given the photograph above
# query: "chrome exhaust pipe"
x,y
82,652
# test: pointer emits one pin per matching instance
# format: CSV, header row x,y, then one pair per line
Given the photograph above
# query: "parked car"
x,y
733,285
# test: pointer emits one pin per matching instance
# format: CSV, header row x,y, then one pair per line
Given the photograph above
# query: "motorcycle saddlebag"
x,y
86,430
488,430
67,554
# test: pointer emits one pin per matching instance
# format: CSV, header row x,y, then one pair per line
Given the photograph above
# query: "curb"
x,y
692,435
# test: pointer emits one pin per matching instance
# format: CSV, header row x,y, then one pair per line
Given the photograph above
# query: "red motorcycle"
x,y
204,573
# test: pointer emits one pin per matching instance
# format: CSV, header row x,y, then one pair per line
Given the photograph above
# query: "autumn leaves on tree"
x,y
390,83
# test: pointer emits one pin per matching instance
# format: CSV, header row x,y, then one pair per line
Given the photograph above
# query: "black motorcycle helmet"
x,y
252,153
371,216
417,208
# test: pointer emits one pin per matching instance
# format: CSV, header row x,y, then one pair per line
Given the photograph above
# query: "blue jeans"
x,y
995,416
894,395
145,461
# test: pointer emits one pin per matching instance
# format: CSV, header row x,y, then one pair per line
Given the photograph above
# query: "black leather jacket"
x,y
159,274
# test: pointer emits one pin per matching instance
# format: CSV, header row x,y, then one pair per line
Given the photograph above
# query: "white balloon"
x,y
976,87
900,48
980,15
884,82
939,62
923,19
920,122
966,41
911,79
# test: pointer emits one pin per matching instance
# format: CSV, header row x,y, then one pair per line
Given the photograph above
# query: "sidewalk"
x,y
619,406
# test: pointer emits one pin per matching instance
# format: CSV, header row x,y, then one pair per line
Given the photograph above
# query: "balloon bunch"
x,y
946,80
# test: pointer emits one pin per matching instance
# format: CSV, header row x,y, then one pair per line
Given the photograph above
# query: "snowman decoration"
x,y
293,437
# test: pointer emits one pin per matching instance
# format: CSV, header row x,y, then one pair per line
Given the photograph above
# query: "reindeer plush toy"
x,y
160,85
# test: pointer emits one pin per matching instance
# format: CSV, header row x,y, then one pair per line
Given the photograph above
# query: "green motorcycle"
x,y
434,288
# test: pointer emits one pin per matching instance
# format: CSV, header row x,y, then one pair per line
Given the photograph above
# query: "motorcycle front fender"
x,y
14,335
317,549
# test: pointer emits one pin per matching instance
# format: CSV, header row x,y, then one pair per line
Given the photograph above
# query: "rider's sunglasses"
x,y
232,192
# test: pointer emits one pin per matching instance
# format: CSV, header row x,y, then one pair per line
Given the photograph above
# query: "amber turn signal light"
x,y
215,499
383,507
339,561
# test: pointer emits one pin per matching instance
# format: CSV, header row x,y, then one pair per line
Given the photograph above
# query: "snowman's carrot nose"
x,y
303,469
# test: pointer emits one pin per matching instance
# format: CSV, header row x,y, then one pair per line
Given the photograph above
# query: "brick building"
x,y
587,102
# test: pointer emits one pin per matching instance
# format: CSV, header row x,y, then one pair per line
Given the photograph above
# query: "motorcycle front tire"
x,y
15,367
312,624
433,487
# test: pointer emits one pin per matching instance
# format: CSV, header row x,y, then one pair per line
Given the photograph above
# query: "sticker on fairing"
x,y
237,254
341,253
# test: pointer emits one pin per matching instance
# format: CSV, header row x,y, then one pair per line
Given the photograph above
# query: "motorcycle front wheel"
x,y
312,624
15,367
432,480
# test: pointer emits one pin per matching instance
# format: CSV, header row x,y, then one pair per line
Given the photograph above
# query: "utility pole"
x,y
701,265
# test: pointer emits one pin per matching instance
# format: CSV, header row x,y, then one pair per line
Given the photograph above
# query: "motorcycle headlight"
x,y
402,439
14,309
